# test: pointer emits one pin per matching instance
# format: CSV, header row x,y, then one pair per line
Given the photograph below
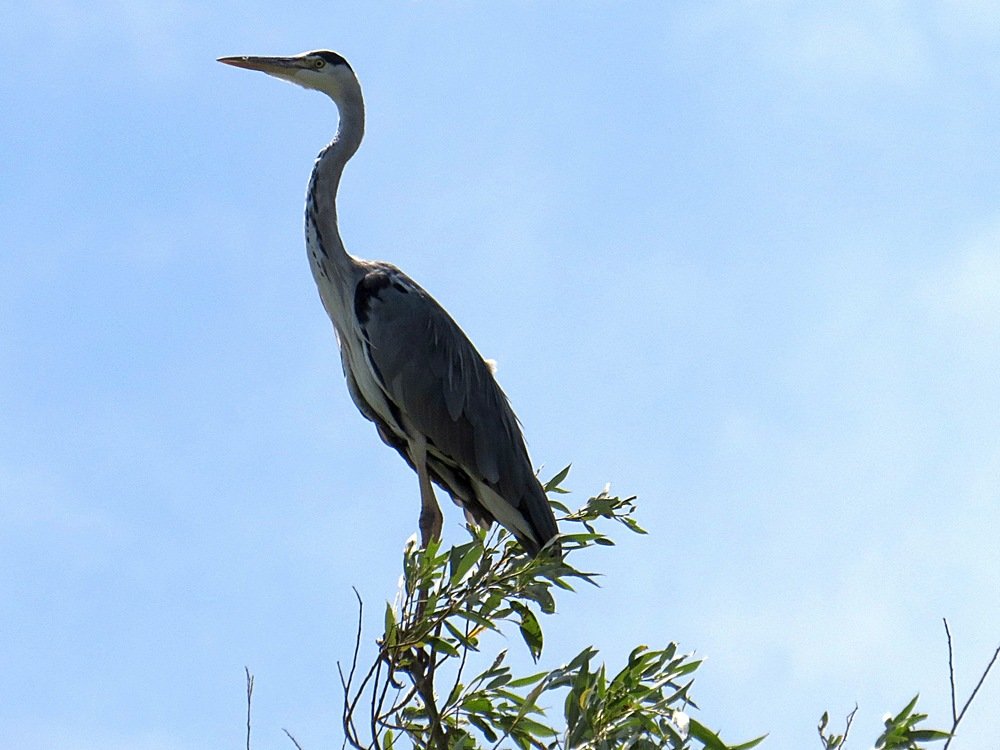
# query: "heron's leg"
x,y
431,518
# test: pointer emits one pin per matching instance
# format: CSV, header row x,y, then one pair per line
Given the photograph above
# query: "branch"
x,y
850,720
951,673
249,700
294,741
357,639
982,678
487,583
423,680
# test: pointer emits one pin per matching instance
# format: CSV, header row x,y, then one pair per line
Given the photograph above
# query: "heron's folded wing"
x,y
434,375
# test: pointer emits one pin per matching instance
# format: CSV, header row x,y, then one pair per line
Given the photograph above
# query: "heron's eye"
x,y
318,63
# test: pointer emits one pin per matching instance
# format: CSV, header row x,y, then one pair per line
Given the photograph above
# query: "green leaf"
x,y
525,681
480,621
680,694
582,538
460,567
477,704
553,483
390,625
469,642
750,744
535,728
582,659
531,631
498,660
492,603
633,525
687,668
705,736
500,680
929,735
562,584
556,505
539,593
440,645
456,691
906,711
483,727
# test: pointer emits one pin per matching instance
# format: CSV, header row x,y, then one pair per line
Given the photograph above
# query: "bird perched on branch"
x,y
410,369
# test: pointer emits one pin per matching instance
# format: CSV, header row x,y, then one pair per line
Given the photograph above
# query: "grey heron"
x,y
409,368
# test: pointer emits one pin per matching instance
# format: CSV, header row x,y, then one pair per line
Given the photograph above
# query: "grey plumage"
x,y
410,369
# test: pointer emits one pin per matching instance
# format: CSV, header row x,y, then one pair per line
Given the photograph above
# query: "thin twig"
x,y
461,667
979,684
350,733
399,703
423,677
357,639
373,721
249,701
972,695
850,720
294,741
350,708
433,663
951,673
378,710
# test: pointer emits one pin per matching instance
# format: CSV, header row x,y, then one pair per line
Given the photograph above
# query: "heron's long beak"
x,y
275,66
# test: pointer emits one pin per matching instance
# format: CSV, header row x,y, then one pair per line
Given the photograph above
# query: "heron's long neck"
x,y
325,180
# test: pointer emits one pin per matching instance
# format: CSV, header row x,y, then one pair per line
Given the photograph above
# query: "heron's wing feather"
x,y
434,375
431,372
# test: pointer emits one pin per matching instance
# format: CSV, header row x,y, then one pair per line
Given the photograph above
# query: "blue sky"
x,y
739,258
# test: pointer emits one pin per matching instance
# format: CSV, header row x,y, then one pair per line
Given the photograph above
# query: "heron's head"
x,y
321,70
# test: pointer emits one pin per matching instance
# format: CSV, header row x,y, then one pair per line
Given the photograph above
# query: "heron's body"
x,y
409,368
